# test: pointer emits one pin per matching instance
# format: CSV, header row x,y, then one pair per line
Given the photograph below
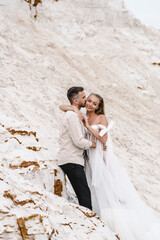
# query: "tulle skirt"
x,y
115,199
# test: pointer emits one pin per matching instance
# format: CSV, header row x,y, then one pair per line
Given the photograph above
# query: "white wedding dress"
x,y
114,197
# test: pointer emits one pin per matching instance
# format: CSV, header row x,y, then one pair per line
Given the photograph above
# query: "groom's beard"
x,y
82,105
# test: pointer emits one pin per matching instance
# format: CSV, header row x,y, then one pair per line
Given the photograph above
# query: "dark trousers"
x,y
77,177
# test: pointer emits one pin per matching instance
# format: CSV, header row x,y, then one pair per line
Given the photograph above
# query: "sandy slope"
x,y
101,46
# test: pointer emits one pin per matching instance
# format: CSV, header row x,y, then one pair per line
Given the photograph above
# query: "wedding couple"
x,y
101,183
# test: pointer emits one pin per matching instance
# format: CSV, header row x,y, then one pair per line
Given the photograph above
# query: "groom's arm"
x,y
75,131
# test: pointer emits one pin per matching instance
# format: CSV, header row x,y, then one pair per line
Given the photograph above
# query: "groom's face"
x,y
82,99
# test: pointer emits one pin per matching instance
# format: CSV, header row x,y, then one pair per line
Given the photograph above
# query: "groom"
x,y
72,146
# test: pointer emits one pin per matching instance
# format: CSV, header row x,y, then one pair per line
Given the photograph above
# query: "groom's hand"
x,y
93,145
80,115
85,122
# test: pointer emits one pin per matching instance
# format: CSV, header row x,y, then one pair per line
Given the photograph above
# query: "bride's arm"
x,y
103,121
66,108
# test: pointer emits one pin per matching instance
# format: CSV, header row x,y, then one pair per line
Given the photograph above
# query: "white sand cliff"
x,y
97,44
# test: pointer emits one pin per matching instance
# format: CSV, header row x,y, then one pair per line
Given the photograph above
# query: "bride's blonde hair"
x,y
100,109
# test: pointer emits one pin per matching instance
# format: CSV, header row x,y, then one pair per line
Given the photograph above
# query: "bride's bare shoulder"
x,y
102,120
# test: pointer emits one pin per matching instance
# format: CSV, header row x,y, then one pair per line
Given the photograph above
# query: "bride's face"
x,y
92,103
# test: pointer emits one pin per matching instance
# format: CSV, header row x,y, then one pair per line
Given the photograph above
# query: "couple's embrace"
x,y
101,183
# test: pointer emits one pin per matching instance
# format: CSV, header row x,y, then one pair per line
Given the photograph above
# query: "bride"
x,y
114,197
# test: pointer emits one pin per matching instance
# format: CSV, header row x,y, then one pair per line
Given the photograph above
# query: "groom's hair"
x,y
73,93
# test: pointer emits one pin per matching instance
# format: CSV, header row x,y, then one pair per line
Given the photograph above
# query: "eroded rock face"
x,y
28,211
99,45
22,153
31,190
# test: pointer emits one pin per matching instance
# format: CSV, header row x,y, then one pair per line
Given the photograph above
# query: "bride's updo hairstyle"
x,y
100,109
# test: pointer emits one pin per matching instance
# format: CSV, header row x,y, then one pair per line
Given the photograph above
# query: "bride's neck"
x,y
90,114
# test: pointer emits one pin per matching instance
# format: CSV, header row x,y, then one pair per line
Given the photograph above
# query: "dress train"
x,y
114,197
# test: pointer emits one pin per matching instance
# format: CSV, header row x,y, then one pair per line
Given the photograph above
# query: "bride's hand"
x,y
104,147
